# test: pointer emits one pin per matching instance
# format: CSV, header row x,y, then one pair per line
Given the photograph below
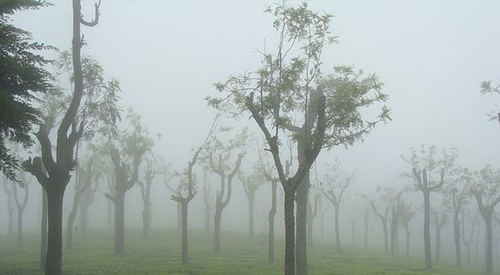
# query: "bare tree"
x,y
226,172
333,186
151,169
250,185
188,191
428,173
468,239
381,207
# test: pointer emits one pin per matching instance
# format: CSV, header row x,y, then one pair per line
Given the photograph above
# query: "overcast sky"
x,y
431,55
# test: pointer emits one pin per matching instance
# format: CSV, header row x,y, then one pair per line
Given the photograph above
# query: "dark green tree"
x,y
23,78
289,89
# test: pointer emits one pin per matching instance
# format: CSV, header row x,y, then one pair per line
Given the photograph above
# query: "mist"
x,y
171,148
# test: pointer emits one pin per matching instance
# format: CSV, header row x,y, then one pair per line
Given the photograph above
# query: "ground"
x,y
161,255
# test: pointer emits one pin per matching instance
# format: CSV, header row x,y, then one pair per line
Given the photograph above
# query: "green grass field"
x,y
161,255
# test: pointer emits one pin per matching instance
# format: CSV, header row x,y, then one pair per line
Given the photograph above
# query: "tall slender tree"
x,y
333,185
290,84
226,172
58,169
251,184
188,192
21,206
428,172
151,169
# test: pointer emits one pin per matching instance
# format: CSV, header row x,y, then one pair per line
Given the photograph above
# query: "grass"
x,y
161,255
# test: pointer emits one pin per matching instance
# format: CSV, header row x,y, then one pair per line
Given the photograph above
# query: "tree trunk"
x,y
427,233
71,219
301,227
84,214
207,213
289,233
20,226
468,254
457,237
407,231
394,229
386,236
54,237
119,223
366,221
217,220
438,242
489,243
353,232
337,229
109,223
179,216
251,200
272,214
10,210
184,208
146,218
310,223
43,231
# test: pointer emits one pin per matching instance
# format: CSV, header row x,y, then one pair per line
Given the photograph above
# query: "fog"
x,y
431,56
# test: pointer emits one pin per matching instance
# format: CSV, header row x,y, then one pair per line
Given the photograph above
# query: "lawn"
x,y
161,255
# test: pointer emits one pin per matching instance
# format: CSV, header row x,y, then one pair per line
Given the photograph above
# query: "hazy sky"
x,y
431,55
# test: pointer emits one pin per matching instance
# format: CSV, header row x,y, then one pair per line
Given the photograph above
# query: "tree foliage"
x,y
23,77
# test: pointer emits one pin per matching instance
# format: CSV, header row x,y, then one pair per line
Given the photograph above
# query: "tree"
x,y
21,206
428,173
487,88
83,181
188,192
23,77
207,193
406,215
267,171
288,87
333,186
312,212
11,207
167,178
484,186
381,207
456,197
133,145
439,221
58,169
468,239
396,201
226,172
250,185
150,171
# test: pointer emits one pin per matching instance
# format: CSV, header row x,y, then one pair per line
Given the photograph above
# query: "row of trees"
x,y
289,98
